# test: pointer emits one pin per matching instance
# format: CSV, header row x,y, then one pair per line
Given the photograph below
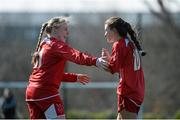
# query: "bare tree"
x,y
165,40
165,15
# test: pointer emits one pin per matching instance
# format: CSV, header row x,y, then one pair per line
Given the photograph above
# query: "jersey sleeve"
x,y
116,60
69,77
73,55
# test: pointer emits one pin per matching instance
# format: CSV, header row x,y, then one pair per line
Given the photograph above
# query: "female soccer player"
x,y
125,59
48,61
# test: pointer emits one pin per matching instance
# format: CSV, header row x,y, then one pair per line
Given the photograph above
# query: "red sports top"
x,y
125,60
48,72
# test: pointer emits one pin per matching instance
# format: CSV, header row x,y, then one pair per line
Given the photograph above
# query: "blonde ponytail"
x,y
35,54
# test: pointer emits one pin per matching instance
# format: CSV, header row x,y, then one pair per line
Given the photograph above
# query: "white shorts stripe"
x,y
43,98
134,102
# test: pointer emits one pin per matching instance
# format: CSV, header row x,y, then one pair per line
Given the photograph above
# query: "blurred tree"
x,y
165,15
166,51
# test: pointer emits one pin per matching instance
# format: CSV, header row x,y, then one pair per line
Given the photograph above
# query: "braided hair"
x,y
123,28
35,55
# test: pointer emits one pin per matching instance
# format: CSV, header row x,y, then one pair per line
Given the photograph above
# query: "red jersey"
x,y
125,60
48,72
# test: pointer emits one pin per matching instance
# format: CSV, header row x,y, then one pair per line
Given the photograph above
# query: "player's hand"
x,y
102,63
105,54
83,78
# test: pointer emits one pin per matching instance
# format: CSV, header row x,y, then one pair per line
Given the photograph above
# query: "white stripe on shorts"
x,y
134,102
43,98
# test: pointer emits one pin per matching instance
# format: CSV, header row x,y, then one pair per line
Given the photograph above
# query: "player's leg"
x,y
119,116
35,111
126,108
54,108
121,106
128,115
55,111
46,109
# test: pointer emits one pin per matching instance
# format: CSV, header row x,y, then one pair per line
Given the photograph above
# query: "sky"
x,y
131,6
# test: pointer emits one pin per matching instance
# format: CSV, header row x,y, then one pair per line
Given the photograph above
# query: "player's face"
x,y
109,34
63,31
66,31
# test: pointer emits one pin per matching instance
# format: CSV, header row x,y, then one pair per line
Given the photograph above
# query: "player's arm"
x,y
73,55
71,77
116,59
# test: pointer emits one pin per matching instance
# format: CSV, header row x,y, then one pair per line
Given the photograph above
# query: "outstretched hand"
x,y
83,78
102,63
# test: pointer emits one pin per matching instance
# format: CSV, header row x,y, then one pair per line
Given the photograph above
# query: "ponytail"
x,y
134,39
40,35
123,28
35,54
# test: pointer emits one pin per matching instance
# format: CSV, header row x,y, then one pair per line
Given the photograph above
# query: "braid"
x,y
35,55
40,35
134,39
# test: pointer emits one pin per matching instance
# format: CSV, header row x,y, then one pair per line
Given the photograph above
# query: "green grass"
x,y
75,114
177,115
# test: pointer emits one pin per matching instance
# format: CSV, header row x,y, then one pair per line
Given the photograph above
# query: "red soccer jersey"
x,y
48,72
125,60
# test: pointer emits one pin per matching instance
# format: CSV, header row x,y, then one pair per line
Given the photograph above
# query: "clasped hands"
x,y
101,62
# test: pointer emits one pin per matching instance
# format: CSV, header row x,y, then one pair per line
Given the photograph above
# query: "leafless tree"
x,y
165,14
